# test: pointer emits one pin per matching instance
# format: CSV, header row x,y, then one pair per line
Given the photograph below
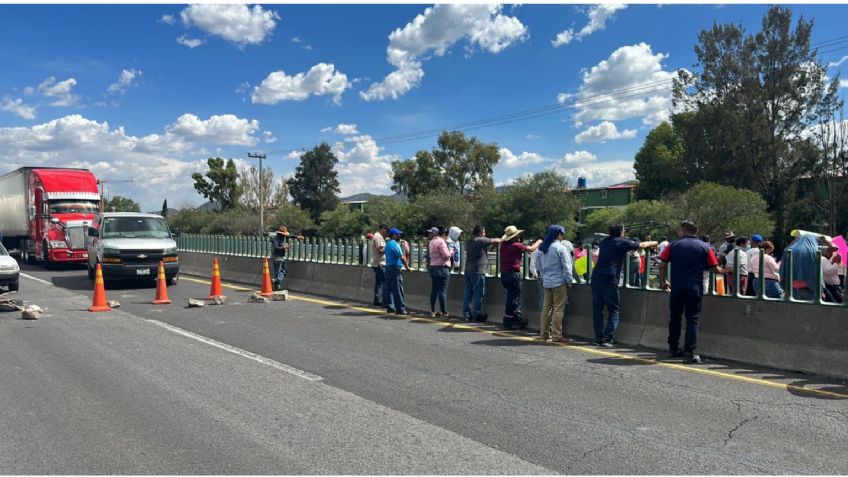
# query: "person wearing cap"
x,y
689,258
555,266
753,256
512,253
280,246
476,263
739,255
613,250
378,264
439,268
395,260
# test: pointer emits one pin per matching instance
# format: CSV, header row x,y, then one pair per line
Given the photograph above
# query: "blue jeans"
x,y
684,301
280,271
380,290
773,288
511,281
439,277
475,290
394,284
605,295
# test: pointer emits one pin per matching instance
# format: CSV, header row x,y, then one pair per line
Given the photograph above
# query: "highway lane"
x,y
564,409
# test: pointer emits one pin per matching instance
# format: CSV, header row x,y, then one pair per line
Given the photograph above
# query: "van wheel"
x,y
13,287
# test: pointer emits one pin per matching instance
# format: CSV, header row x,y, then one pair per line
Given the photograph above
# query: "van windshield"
x,y
134,227
74,207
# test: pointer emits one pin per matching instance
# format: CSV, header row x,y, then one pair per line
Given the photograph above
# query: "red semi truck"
x,y
43,210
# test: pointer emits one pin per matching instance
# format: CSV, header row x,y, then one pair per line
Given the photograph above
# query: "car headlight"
x,y
111,252
12,267
170,251
58,244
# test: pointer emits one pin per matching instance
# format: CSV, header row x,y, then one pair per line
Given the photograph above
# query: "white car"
x,y
10,272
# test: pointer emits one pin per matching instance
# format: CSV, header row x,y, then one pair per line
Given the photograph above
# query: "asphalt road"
x,y
317,386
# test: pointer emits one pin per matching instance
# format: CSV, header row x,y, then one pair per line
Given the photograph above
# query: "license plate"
x,y
142,271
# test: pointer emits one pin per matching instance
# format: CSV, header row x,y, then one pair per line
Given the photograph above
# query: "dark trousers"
x,y
475,290
439,277
688,302
604,295
833,293
394,284
380,290
280,270
511,281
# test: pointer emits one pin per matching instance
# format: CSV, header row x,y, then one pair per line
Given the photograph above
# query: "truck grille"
x,y
141,257
76,239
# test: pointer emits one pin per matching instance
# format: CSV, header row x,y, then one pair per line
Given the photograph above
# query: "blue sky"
x,y
147,92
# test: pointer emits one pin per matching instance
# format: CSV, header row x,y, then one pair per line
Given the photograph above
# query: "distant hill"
x,y
366,196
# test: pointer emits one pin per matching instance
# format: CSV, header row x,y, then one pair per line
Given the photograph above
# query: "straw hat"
x,y
511,232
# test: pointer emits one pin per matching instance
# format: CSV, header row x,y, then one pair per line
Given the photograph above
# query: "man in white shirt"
x,y
378,264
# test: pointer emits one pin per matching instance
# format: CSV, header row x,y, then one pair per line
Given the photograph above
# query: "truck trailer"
x,y
43,210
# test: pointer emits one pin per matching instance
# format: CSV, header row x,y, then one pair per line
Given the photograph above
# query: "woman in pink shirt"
x,y
440,259
771,271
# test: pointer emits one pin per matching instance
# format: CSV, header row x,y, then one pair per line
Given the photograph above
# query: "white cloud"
x,y
161,164
434,32
125,80
225,129
345,129
268,137
167,19
294,155
322,79
598,16
598,174
234,22
532,136
18,108
563,97
630,83
579,157
836,64
606,131
843,83
62,91
509,159
304,44
189,42
362,166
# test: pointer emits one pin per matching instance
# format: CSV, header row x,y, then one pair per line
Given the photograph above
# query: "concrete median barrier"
x,y
798,337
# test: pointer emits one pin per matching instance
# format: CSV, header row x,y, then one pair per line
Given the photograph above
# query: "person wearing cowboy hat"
x,y
512,254
280,247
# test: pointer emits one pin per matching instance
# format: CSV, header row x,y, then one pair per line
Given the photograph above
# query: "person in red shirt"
x,y
512,253
691,258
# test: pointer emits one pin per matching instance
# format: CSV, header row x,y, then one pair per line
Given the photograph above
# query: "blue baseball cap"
x,y
756,238
394,231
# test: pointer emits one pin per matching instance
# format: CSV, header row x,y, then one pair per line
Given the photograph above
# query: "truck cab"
x,y
130,245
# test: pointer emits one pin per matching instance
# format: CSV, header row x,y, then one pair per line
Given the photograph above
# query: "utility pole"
x,y
261,157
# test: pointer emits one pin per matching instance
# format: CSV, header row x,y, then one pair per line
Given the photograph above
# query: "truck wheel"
x,y
45,257
26,257
174,280
13,287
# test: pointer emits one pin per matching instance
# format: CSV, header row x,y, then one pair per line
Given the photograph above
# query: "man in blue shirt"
x,y
395,259
605,276
691,257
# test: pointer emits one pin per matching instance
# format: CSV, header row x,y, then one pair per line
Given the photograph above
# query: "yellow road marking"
x,y
584,349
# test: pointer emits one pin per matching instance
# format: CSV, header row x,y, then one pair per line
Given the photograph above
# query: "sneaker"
x,y
389,311
433,314
481,317
467,318
675,353
402,312
598,344
692,358
522,324
607,344
543,338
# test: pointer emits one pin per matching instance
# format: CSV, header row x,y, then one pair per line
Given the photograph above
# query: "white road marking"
x,y
36,279
247,354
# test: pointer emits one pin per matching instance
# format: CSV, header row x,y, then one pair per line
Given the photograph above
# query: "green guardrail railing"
x,y
357,252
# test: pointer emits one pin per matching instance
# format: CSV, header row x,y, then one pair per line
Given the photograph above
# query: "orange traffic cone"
x,y
98,303
161,288
215,289
266,280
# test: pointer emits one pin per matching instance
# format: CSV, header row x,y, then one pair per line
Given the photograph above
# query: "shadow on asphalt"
x,y
498,342
356,313
336,307
82,283
620,362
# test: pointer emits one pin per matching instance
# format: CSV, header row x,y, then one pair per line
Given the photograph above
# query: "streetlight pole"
x,y
261,157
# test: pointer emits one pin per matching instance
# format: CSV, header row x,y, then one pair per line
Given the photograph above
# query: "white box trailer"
x,y
15,204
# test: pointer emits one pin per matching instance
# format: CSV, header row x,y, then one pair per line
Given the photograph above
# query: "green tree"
x,y
294,218
315,184
385,210
659,164
457,164
343,222
222,186
121,204
752,100
436,209
652,217
599,221
189,220
717,208
533,203
273,191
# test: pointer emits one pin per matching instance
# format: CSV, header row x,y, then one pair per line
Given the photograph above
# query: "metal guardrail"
x,y
357,252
